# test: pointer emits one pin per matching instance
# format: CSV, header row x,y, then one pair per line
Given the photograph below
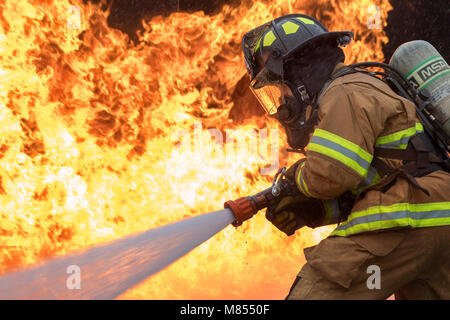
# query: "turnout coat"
x,y
357,113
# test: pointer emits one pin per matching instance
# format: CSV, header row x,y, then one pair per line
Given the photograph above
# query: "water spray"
x,y
108,270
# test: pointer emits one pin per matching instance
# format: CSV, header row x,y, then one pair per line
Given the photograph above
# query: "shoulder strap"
x,y
418,161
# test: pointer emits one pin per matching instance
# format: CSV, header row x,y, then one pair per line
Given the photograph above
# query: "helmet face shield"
x,y
269,89
270,98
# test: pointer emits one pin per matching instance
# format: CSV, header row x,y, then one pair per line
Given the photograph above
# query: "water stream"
x,y
108,270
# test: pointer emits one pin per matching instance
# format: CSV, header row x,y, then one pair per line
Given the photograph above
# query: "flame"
x,y
87,147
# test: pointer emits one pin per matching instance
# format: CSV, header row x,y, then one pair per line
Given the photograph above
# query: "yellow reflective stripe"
x,y
399,139
328,211
290,27
345,143
269,38
338,156
377,178
388,224
331,211
396,215
372,177
420,207
342,150
301,183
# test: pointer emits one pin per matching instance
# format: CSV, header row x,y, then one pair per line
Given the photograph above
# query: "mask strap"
x,y
304,94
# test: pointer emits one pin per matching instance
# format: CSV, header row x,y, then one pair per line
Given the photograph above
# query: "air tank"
x,y
424,68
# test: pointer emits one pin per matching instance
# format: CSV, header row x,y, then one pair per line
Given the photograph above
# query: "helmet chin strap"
x,y
304,94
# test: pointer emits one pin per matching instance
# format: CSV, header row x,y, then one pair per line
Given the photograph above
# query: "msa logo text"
x,y
427,72
431,69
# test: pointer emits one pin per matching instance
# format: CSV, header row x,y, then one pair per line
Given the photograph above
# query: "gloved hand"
x,y
284,214
288,215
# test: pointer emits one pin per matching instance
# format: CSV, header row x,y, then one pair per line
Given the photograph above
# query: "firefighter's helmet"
x,y
268,47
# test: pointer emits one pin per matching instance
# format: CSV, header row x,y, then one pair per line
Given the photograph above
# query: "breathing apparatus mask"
x,y
288,103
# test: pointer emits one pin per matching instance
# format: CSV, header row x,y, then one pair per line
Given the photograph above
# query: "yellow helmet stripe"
x,y
269,38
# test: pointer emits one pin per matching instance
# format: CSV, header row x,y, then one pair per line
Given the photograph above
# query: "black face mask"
x,y
292,115
309,71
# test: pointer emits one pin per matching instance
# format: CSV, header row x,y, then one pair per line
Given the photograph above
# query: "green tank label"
x,y
427,72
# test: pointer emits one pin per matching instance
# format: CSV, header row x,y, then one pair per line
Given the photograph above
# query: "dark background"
x,y
409,20
419,19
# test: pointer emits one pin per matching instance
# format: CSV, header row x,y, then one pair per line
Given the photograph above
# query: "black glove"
x,y
293,213
286,216
282,214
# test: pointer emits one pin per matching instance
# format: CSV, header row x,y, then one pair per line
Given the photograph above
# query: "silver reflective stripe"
x,y
332,211
399,139
342,150
372,177
395,218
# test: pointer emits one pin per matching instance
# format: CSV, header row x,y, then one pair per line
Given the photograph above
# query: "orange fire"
x,y
87,146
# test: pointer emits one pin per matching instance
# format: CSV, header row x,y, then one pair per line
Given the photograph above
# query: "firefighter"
x,y
392,214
